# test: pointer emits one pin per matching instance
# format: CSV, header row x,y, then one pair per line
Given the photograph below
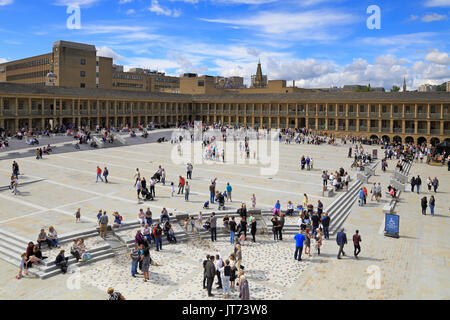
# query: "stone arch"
x,y
448,139
397,139
374,136
409,139
434,141
386,138
421,140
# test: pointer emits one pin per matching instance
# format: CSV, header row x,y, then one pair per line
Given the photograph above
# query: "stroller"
x,y
221,200
147,195
157,176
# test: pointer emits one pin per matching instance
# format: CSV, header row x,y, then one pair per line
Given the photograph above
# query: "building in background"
x,y
229,82
427,88
448,86
77,65
419,117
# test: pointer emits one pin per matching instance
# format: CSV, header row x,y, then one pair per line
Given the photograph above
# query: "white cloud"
x,y
6,2
312,24
401,40
434,17
438,57
81,3
437,3
130,12
386,71
108,52
125,1
3,60
156,8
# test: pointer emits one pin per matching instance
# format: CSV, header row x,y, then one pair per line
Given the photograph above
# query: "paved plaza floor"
x,y
416,266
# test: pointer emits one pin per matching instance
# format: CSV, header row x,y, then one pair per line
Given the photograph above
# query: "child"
x,y
186,222
173,188
206,205
78,215
22,266
308,243
192,223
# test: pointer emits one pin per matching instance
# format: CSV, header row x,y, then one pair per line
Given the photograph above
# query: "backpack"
x,y
227,271
120,218
158,231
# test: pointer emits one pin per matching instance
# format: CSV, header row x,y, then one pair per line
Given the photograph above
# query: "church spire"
x,y
259,70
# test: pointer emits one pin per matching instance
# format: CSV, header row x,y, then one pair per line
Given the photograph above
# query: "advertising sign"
x,y
391,225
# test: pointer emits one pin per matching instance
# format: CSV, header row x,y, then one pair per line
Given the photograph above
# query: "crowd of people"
x,y
313,222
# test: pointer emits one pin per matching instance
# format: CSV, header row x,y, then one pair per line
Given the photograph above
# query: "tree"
x,y
395,88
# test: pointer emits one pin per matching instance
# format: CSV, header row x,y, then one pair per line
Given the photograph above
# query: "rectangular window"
x,y
82,85
82,73
201,83
83,61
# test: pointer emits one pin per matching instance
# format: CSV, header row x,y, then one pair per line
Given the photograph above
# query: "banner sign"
x,y
391,225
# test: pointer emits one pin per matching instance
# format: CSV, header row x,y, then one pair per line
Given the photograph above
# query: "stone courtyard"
x,y
416,266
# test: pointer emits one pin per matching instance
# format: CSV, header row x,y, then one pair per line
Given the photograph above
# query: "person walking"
x,y
432,204
253,227
181,183
212,192
341,241
418,183
435,184
210,270
299,239
218,265
204,270
424,205
163,176
361,196
134,255
253,199
152,187
105,174
187,190
356,243
137,176
229,189
138,186
99,174
146,261
413,183
103,221
280,229
232,225
326,226
213,227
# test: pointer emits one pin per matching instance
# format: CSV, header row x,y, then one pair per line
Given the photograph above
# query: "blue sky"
x,y
318,43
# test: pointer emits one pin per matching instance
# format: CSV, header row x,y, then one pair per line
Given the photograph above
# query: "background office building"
x,y
77,65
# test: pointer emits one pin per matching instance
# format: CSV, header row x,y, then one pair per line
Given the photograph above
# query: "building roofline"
x,y
322,97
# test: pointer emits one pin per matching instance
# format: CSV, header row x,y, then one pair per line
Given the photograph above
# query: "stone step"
x,y
94,259
105,247
10,257
52,266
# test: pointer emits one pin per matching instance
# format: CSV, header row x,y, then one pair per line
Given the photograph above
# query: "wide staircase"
x,y
12,247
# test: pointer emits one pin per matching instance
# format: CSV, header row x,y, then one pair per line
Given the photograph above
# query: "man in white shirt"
x,y
219,265
137,176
